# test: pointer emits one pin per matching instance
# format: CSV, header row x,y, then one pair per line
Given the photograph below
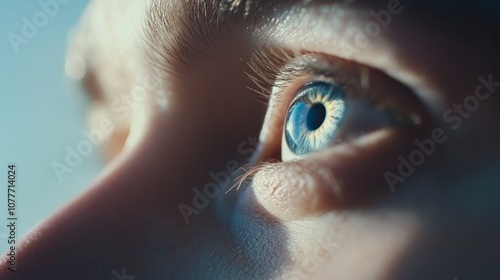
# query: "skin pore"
x,y
326,215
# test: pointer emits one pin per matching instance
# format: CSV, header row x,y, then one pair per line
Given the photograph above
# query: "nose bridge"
x,y
177,157
135,199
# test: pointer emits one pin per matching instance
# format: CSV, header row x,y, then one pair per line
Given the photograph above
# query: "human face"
x,y
400,185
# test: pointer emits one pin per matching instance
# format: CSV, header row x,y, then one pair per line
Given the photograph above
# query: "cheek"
x,y
347,176
294,191
349,245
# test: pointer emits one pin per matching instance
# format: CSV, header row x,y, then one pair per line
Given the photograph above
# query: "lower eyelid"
x,y
293,190
344,176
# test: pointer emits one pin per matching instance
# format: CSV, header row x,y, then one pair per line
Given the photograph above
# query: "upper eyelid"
x,y
385,52
393,50
354,79
274,70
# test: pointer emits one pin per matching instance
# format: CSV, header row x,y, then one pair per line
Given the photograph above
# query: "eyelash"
x,y
277,69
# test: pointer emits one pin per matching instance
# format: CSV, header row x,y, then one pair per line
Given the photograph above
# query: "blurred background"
x,y
42,114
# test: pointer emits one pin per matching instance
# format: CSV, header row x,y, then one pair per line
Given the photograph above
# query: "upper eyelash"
x,y
276,68
266,66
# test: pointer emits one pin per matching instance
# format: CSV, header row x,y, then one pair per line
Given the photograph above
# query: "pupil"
x,y
316,116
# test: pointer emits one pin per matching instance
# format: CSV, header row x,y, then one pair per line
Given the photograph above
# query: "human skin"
x,y
292,221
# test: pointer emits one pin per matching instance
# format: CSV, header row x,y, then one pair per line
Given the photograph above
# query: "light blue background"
x,y
40,114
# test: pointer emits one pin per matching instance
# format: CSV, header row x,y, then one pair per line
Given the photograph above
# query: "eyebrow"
x,y
177,35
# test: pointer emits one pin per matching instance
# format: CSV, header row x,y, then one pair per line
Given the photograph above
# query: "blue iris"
x,y
314,117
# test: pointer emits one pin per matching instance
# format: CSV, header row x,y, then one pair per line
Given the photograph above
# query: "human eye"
x,y
335,103
323,101
330,117
314,117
